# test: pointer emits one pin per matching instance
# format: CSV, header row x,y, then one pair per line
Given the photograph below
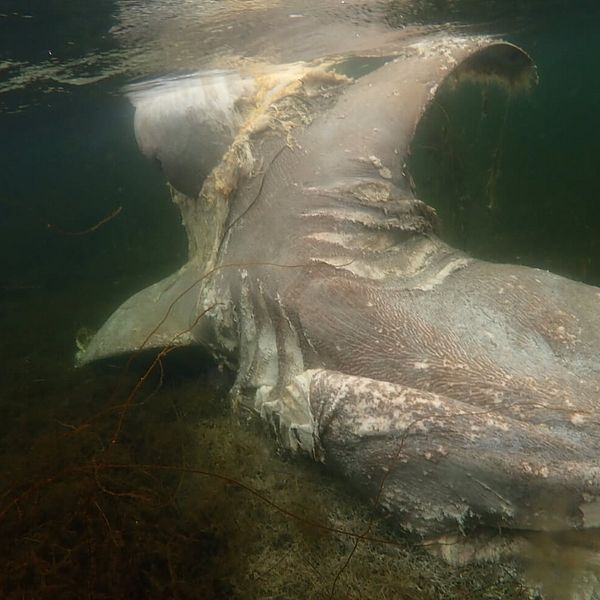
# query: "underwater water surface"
x,y
89,506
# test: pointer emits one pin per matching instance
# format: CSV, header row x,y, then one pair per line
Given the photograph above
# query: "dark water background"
x,y
68,159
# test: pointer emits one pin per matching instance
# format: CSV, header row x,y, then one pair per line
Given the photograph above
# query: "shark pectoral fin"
x,y
158,316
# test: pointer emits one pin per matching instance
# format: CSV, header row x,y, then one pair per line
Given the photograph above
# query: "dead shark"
x,y
461,394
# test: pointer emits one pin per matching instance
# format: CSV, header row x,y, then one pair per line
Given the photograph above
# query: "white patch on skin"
x,y
492,423
451,267
348,242
535,470
446,45
381,168
358,268
393,262
347,215
591,513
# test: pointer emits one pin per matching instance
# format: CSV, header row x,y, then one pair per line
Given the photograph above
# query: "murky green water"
x,y
68,160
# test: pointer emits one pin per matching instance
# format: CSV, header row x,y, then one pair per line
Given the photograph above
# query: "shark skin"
x,y
462,395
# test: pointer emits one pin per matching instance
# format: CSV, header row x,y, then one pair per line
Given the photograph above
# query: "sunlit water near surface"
x,y
68,160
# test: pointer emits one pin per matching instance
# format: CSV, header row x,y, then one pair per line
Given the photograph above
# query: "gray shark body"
x,y
459,393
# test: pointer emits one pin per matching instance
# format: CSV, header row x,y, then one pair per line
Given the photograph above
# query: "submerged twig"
x,y
91,229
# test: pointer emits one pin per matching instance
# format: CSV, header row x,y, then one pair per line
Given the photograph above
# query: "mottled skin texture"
x,y
459,393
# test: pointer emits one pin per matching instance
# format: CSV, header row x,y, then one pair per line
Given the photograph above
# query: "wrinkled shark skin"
x,y
460,394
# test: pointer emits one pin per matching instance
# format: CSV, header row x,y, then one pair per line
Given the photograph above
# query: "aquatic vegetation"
x,y
192,502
